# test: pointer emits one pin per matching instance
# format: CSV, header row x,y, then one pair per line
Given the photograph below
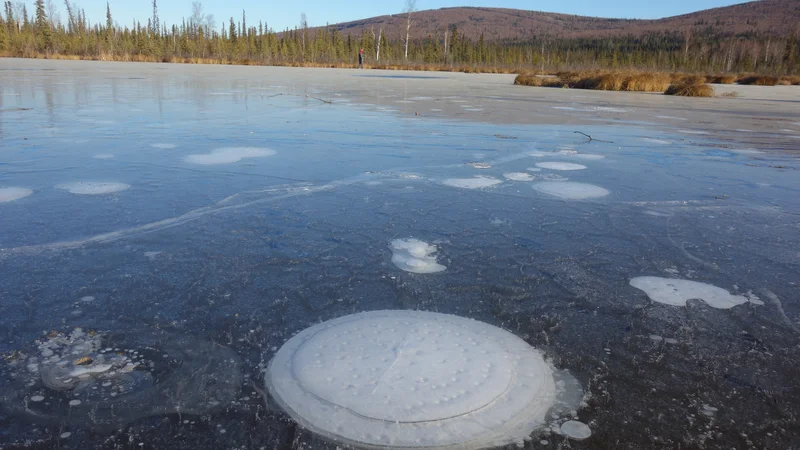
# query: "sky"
x,y
286,14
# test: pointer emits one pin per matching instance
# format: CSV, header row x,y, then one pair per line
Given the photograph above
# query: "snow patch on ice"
x,y
569,190
228,155
93,188
471,183
677,292
13,193
415,256
560,166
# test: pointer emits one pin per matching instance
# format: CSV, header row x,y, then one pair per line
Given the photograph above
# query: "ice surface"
x,y
413,255
560,166
471,183
111,380
576,430
518,176
103,156
569,190
677,292
13,193
93,187
228,155
413,379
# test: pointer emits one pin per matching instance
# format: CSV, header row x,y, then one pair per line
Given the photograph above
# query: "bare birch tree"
x,y
377,41
410,8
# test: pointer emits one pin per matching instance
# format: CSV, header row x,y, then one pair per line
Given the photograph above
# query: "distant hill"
x,y
778,17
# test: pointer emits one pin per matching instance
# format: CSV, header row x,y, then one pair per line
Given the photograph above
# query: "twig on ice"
x,y
591,138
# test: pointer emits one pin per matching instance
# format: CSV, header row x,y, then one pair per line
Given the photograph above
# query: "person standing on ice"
x,y
361,59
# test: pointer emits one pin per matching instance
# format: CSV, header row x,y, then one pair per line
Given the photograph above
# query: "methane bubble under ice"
x,y
93,188
413,255
677,292
228,155
471,183
576,430
106,380
570,190
560,166
13,193
414,379
518,176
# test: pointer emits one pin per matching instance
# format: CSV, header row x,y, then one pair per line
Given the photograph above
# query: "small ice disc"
x,y
412,379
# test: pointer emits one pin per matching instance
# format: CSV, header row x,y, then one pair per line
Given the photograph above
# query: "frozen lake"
x,y
188,220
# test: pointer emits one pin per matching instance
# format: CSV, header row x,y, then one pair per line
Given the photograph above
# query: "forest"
x,y
41,33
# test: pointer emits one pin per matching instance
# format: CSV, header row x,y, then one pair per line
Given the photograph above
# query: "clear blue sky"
x,y
286,13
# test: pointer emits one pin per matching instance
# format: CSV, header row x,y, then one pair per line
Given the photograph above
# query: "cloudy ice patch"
x,y
560,166
697,132
479,165
471,183
436,110
162,146
569,190
415,256
576,430
533,169
574,154
228,155
657,141
671,118
676,292
413,379
518,176
10,194
473,109
103,156
93,187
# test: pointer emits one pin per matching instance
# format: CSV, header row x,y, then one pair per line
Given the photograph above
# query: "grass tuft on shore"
x,y
690,87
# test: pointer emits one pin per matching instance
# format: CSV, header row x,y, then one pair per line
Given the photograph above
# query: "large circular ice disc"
x,y
410,378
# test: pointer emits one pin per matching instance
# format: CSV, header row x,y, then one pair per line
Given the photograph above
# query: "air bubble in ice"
x,y
93,188
510,398
413,255
471,183
518,176
164,146
677,292
13,193
569,190
560,166
228,155
576,430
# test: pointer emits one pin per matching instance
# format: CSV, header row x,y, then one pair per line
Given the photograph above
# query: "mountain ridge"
x,y
776,17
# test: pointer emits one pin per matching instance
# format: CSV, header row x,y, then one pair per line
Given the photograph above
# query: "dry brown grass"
x,y
690,87
759,80
721,79
600,80
533,79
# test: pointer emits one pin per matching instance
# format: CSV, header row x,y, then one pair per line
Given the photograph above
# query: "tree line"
x,y
236,41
